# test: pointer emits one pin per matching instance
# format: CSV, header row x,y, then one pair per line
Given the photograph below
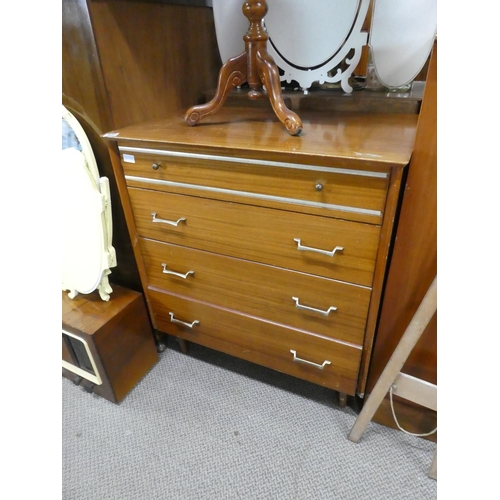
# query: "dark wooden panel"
x,y
196,3
172,67
155,58
118,334
332,101
414,261
81,72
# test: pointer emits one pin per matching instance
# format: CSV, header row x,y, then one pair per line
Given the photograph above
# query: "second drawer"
x,y
324,306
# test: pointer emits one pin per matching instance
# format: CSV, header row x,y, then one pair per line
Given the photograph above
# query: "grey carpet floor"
x,y
208,426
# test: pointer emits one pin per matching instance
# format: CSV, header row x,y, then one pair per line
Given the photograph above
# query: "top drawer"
x,y
336,192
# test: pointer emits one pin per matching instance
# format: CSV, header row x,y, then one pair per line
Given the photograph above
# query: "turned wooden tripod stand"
x,y
254,66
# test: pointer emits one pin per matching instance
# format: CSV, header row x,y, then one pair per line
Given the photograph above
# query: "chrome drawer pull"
x,y
173,273
189,325
164,221
311,249
307,308
299,360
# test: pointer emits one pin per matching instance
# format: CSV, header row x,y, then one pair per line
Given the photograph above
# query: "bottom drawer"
x,y
320,360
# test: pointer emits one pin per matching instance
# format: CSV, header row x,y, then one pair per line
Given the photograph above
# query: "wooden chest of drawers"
x,y
268,247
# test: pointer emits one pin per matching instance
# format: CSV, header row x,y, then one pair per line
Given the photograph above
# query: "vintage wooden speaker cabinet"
x,y
265,246
107,347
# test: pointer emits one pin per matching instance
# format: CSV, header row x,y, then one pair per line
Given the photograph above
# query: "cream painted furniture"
x,y
87,251
266,246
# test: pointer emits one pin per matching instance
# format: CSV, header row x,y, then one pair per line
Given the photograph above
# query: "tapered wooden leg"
x,y
183,345
269,75
160,345
433,470
232,74
342,399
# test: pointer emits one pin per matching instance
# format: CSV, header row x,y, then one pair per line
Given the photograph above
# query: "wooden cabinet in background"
x,y
412,269
107,347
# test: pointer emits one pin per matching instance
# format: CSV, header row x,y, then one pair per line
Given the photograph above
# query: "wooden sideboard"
x,y
268,247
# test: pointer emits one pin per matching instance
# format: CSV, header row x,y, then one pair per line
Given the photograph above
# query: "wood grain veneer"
x,y
259,341
82,79
413,267
325,187
260,234
240,239
155,58
119,336
354,140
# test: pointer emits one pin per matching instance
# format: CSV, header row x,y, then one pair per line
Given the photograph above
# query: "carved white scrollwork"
x,y
309,40
308,43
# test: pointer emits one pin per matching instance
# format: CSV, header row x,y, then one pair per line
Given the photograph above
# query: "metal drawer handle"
x,y
189,325
311,249
164,221
173,273
299,360
307,308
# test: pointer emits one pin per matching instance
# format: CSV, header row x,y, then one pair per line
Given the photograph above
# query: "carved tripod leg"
x,y
232,73
269,75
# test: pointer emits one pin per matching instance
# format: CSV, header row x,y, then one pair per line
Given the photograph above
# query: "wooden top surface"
x,y
373,137
88,312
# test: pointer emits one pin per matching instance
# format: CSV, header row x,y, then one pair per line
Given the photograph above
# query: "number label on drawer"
x,y
128,158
